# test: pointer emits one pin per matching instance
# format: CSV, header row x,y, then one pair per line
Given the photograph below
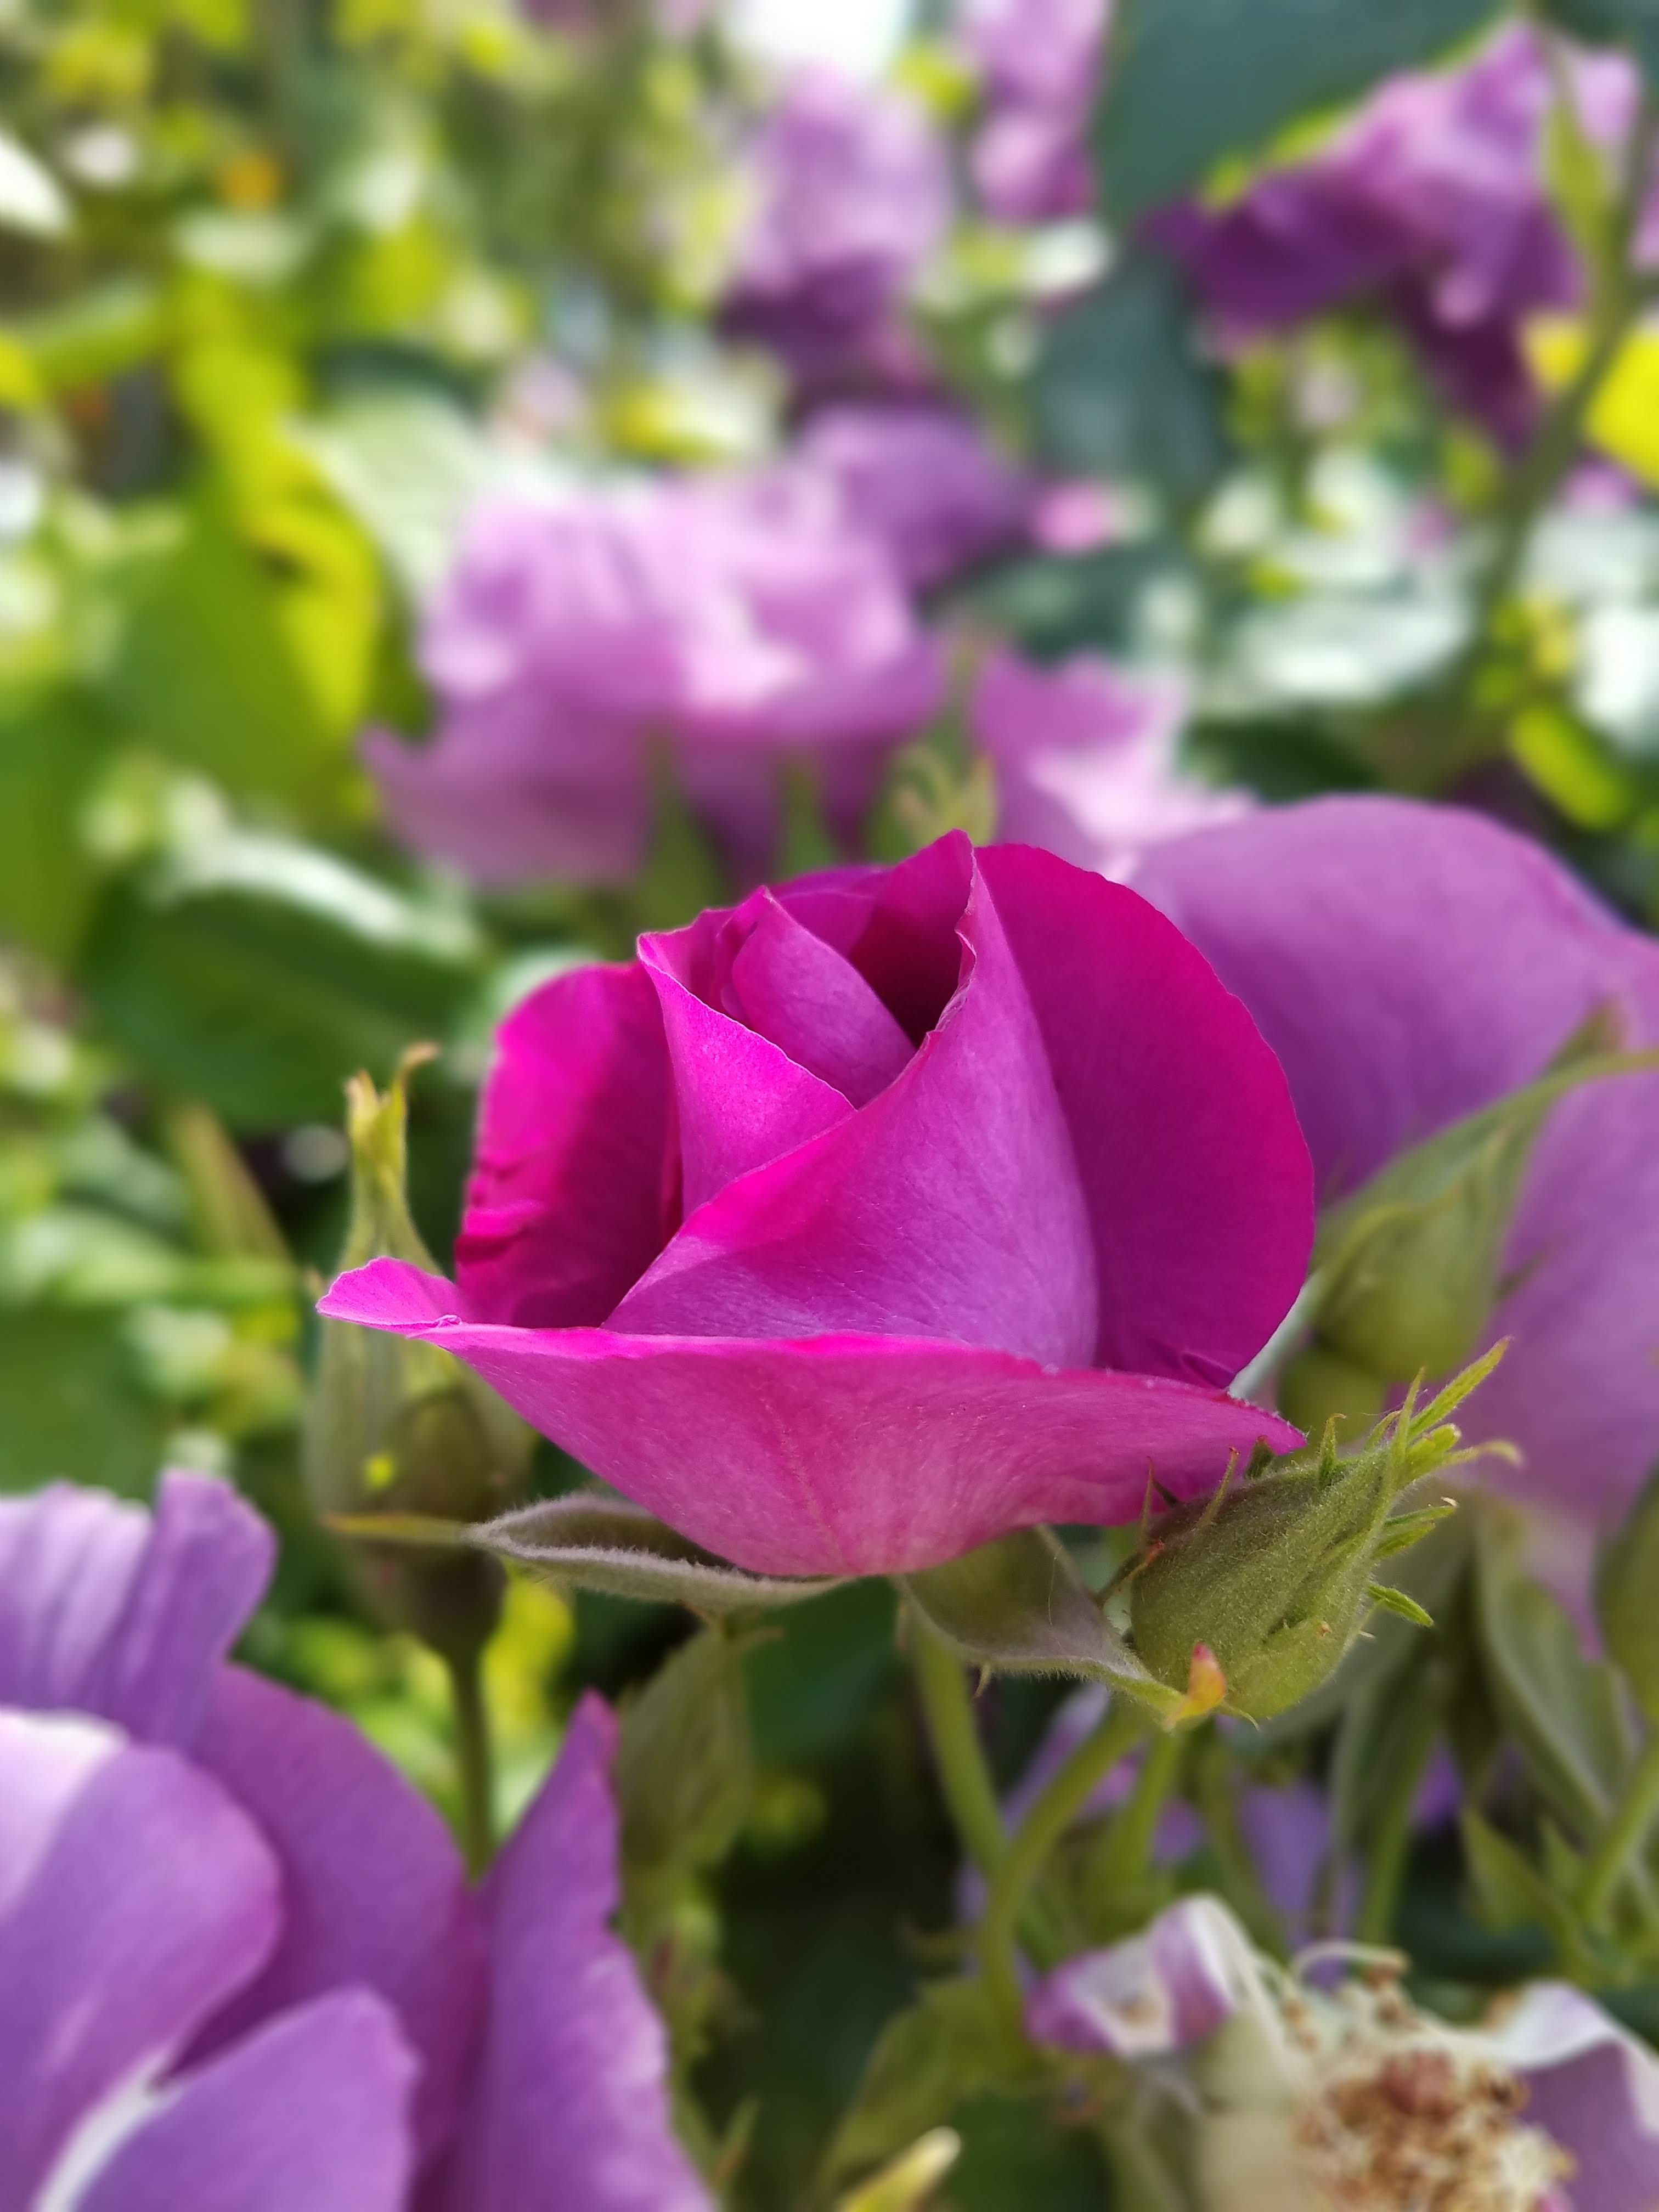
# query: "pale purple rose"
x,y
1282,2090
1410,964
1432,198
240,1968
1085,758
1039,63
735,622
851,197
882,1214
922,479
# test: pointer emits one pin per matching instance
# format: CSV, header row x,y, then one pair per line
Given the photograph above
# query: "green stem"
x,y
1623,1835
963,1775
1064,1797
1385,1867
1121,1860
1622,298
474,1764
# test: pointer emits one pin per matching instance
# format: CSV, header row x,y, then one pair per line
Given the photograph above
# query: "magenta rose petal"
x,y
839,1455
1364,935
571,1189
135,1898
120,1615
812,1002
950,1207
374,1889
1194,1170
310,2112
741,1100
570,2032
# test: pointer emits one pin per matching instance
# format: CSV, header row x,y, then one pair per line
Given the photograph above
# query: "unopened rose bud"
x,y
1276,1574
395,1426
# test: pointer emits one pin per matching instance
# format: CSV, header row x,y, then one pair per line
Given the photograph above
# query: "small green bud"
x,y
1276,1574
395,1426
1407,1272
1627,1599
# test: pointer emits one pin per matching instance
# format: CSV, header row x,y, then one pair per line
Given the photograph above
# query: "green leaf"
x,y
589,1541
257,974
1513,1893
1387,1599
1566,1711
228,662
1191,83
1119,390
686,1773
948,2046
73,1405
51,752
1019,1605
1627,1598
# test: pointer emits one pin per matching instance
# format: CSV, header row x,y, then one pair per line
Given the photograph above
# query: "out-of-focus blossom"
x,y
1298,2098
879,1215
1039,62
1410,965
851,196
1085,759
1431,198
923,479
239,1967
733,622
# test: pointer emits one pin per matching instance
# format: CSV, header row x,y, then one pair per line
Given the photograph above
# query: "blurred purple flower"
x,y
240,1969
1431,198
1085,759
1039,61
1410,964
852,195
922,479
889,1211
735,620
1293,2095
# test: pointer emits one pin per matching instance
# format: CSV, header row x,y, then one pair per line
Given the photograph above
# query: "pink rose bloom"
x,y
1084,757
922,479
1433,198
1039,62
882,1214
737,622
852,195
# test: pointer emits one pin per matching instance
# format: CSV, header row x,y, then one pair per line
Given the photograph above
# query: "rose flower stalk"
x,y
879,1216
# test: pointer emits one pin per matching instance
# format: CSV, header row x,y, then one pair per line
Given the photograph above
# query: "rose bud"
x,y
395,1428
1276,1574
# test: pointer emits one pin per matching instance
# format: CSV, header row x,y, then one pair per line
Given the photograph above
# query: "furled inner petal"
x,y
740,1100
950,1207
792,987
